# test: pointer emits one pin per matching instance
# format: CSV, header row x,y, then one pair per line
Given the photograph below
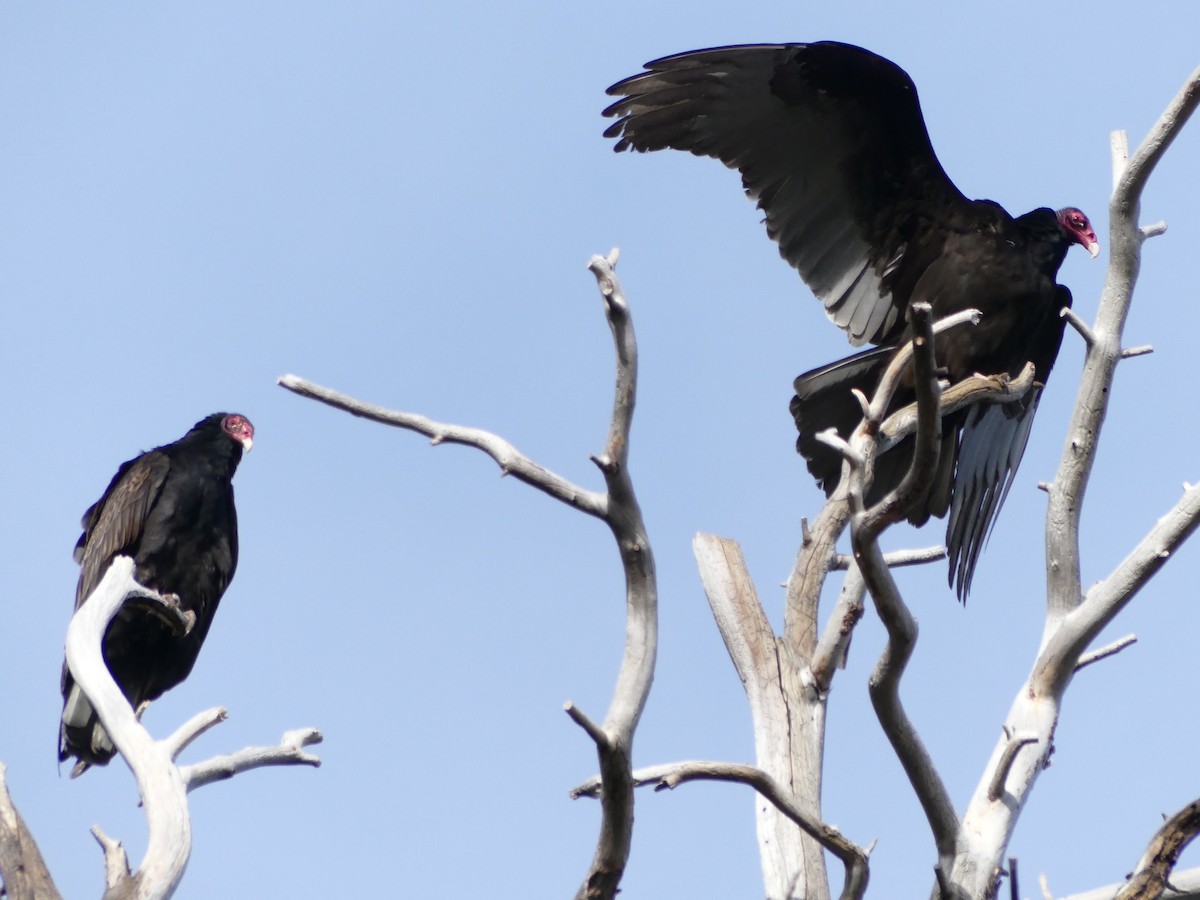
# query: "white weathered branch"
x,y
1106,651
787,718
897,559
288,752
162,784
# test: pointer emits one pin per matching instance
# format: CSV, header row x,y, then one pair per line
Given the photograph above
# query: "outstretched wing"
x,y
830,141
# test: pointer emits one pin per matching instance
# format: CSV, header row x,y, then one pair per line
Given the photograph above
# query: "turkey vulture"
x,y
830,142
171,510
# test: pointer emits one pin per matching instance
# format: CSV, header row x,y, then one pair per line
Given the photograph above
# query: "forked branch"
x,y
618,508
162,785
1074,618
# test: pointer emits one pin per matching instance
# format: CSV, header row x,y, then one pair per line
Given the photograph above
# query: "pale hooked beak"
x,y
1093,248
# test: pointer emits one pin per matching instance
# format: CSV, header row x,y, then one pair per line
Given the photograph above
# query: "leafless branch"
x,y
866,526
161,784
1074,320
22,869
193,728
671,775
618,508
1073,618
1107,650
786,715
116,863
897,558
834,644
1091,406
511,461
971,390
288,752
1015,743
1151,876
1131,352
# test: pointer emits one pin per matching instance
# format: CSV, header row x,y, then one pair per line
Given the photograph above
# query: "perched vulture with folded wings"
x,y
171,510
830,141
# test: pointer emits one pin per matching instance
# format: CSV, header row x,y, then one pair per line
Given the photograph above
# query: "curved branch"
x,y
162,785
164,797
618,507
866,527
511,461
1152,875
671,775
623,515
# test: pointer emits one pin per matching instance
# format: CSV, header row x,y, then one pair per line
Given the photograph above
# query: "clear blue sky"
x,y
399,200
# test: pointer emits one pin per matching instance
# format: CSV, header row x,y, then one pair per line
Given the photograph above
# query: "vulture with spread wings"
x,y
830,142
171,510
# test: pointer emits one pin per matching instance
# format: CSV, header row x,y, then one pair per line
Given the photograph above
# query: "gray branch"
x,y
1152,875
22,869
866,526
618,508
511,461
786,714
671,775
1074,619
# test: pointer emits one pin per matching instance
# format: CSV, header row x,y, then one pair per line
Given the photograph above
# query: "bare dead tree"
x,y
163,784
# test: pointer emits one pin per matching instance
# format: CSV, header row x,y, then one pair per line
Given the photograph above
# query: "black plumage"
x,y
830,141
171,510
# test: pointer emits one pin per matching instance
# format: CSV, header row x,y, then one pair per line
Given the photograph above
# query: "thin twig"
x,y
1107,650
1000,775
897,558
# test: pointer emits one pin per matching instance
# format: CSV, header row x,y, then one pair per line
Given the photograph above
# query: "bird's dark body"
x,y
830,141
172,511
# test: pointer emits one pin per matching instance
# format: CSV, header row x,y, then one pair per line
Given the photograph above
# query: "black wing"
x,y
990,449
991,445
114,523
830,140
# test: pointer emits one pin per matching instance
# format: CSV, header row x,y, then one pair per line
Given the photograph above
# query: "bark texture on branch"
x,y
23,872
